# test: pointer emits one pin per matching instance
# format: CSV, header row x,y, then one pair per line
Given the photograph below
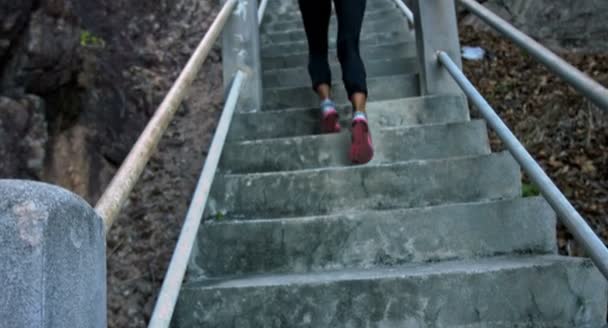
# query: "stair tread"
x,y
401,45
510,291
345,132
370,19
326,150
469,266
418,162
401,112
380,88
366,39
380,186
421,236
370,238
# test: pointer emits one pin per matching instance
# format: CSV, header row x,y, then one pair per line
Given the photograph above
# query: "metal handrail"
x,y
262,10
406,11
167,298
591,89
565,211
165,305
122,184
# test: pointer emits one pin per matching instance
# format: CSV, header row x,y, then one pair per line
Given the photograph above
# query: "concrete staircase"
x,y
432,233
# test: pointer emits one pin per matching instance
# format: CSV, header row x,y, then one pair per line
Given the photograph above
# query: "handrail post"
x,y
52,258
436,29
241,52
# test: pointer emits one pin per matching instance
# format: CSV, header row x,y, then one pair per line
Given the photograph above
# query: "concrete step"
x,y
331,150
513,291
370,239
282,9
368,53
389,186
370,39
371,27
392,15
368,28
382,114
379,88
298,76
294,15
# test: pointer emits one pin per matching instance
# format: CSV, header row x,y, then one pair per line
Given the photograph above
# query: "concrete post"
x,y
52,258
241,51
436,29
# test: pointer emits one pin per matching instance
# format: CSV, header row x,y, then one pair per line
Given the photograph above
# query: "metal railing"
x,y
122,184
577,79
566,212
167,298
569,216
406,11
575,223
262,10
115,195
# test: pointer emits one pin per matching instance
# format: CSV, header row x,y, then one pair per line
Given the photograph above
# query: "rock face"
x,y
560,24
79,79
23,131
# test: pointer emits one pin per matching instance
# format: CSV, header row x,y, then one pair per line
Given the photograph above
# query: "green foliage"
x,y
529,190
88,39
219,216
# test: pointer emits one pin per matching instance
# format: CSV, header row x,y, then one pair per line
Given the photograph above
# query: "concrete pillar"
x,y
52,258
241,51
436,29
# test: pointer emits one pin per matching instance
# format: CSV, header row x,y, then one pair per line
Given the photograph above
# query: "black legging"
x,y
316,14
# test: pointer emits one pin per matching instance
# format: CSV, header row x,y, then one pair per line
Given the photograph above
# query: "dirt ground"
x,y
562,130
140,244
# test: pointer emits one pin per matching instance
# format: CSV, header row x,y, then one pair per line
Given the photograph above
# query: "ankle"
x,y
327,104
358,115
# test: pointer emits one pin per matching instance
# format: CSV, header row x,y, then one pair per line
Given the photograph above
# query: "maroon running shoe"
x,y
361,149
330,120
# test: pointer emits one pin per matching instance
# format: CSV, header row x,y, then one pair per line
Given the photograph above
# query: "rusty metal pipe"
x,y
114,197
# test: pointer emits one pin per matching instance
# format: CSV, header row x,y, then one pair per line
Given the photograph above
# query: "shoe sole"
x,y
330,123
361,150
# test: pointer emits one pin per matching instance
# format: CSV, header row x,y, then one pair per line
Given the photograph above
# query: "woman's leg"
x,y
350,19
316,14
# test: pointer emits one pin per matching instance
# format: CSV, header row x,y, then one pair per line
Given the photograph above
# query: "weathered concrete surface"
x,y
367,40
290,7
296,33
390,113
383,88
537,291
368,28
298,76
392,50
293,14
400,185
52,258
560,24
375,17
376,238
419,237
330,150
